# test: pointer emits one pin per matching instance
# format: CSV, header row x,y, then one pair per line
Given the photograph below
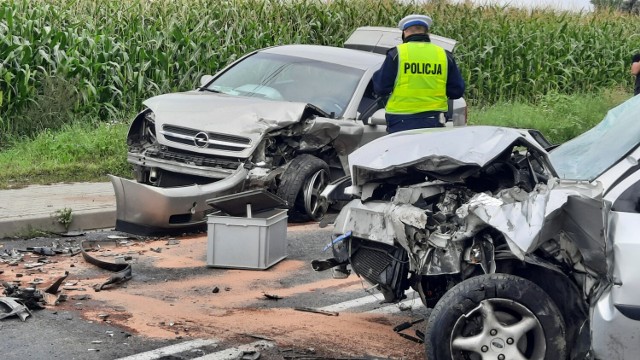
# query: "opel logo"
x,y
201,140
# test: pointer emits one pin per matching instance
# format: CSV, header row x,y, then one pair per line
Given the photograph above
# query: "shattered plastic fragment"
x,y
123,271
54,288
14,307
271,297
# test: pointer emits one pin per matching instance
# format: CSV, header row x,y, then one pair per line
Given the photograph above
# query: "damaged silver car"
x,y
282,119
523,250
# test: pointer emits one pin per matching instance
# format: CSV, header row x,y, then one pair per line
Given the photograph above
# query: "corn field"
x,y
99,58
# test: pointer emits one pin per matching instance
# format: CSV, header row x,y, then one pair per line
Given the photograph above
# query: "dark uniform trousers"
x,y
397,122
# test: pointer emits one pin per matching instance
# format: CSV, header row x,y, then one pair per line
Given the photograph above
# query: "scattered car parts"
x,y
14,308
122,271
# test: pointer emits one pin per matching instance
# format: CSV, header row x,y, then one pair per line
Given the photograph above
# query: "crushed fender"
x,y
122,271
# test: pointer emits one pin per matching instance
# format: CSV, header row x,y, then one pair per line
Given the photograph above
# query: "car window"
x,y
369,103
589,155
287,78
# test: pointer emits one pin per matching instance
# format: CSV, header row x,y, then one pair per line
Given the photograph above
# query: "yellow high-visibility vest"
x,y
421,83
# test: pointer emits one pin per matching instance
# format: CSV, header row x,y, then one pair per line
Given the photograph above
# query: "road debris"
x,y
122,271
54,288
317,311
42,250
271,297
14,308
250,355
215,290
71,233
419,338
173,242
30,297
406,325
118,237
259,337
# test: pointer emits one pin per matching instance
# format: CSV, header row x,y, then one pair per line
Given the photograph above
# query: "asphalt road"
x,y
68,333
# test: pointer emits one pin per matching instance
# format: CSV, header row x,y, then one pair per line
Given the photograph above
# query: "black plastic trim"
x,y
146,230
630,311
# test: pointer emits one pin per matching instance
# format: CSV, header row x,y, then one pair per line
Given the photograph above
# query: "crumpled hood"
x,y
451,153
219,113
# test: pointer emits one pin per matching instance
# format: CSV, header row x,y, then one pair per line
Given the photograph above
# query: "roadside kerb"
x,y
36,208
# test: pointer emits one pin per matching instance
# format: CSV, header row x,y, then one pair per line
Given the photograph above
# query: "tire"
x,y
301,184
480,319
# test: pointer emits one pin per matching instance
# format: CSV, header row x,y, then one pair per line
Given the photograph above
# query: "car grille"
x,y
202,139
382,264
370,263
191,158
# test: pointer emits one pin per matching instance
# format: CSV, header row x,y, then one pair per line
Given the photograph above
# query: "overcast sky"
x,y
576,5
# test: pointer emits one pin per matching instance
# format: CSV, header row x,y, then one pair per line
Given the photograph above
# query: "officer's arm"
x,y
455,82
385,77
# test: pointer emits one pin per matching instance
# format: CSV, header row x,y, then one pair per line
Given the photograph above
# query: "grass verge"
x,y
80,151
559,117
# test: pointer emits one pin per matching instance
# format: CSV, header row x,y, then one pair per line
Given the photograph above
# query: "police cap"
x,y
415,19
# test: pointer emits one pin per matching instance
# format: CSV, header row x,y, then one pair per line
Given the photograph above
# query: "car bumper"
x,y
146,210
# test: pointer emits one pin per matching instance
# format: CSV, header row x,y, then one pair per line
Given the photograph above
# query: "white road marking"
x,y
396,308
235,353
171,349
366,300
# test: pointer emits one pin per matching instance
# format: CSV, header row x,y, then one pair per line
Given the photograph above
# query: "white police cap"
x,y
415,19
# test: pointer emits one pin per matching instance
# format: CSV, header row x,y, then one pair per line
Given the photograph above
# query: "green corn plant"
x,y
115,54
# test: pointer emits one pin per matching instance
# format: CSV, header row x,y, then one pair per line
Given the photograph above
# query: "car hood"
x,y
449,154
246,118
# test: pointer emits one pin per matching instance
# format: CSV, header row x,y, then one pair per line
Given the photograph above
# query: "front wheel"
x,y
498,317
301,185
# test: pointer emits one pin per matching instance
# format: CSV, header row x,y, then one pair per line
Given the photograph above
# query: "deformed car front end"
x,y
510,243
191,147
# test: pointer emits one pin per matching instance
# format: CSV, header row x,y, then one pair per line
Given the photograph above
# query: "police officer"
x,y
419,77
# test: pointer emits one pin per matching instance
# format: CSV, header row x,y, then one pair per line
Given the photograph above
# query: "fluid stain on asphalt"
x,y
187,307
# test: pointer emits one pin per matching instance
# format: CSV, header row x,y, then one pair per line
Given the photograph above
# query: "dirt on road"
x,y
174,294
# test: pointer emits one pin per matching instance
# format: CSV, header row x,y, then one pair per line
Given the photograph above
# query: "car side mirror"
x,y
378,118
204,80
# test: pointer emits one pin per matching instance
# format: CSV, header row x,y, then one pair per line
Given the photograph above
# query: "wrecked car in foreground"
x,y
523,253
282,119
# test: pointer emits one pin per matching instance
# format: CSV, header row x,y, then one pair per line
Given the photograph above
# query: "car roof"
x,y
347,57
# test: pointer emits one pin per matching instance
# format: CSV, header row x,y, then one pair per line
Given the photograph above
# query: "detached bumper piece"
x,y
122,271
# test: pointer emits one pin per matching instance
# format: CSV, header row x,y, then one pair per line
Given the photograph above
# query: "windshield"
x,y
287,78
589,155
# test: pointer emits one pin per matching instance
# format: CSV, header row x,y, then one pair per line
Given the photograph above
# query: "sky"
x,y
573,5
